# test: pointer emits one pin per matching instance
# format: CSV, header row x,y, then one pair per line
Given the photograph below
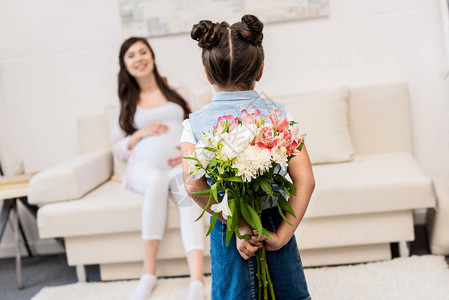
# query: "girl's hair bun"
x,y
206,33
251,29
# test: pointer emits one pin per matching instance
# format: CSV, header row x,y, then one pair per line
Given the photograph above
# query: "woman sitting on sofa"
x,y
147,135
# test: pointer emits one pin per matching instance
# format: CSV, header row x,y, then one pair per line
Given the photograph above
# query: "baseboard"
x,y
41,247
165,268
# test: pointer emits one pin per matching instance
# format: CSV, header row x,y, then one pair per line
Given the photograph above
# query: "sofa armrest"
x,y
71,179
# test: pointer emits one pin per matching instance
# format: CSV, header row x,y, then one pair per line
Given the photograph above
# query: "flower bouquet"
x,y
242,159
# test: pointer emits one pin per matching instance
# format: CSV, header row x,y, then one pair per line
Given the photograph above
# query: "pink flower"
x,y
280,124
266,138
290,141
225,123
253,117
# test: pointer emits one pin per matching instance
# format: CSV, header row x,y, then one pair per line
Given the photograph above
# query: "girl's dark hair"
x,y
232,55
129,90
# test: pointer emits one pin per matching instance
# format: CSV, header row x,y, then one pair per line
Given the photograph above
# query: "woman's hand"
x,y
247,248
273,244
175,160
154,128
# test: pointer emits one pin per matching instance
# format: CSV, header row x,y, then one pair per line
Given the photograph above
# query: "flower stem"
x,y
259,275
270,284
265,274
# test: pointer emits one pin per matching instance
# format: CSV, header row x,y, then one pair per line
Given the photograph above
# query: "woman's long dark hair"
x,y
129,90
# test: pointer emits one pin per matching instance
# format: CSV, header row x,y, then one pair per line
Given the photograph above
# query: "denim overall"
x,y
234,278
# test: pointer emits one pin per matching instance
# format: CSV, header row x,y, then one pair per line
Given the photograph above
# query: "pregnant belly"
x,y
157,149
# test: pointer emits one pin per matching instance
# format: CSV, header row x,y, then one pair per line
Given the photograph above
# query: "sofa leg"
x,y
404,249
81,273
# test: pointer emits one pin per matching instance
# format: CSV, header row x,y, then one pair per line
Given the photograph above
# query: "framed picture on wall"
x,y
161,17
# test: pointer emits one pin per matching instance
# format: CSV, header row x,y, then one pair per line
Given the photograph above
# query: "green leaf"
x,y
213,190
230,220
266,187
204,192
286,206
211,164
210,149
192,158
212,223
205,208
256,185
291,187
300,146
235,179
285,189
256,219
216,160
246,214
229,234
242,237
283,217
231,194
215,174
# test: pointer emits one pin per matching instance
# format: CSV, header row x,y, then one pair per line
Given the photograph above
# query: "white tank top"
x,y
157,149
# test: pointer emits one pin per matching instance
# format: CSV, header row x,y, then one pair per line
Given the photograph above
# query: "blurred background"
x,y
59,61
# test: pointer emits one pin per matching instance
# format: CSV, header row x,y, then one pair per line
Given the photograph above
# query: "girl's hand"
x,y
247,248
154,128
273,244
175,160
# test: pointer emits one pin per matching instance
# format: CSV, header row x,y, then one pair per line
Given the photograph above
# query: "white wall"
x,y
58,61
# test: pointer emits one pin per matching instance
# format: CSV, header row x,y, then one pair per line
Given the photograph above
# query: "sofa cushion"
x,y
108,209
324,118
370,183
111,113
70,179
379,119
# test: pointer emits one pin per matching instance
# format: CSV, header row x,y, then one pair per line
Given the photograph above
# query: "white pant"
x,y
154,184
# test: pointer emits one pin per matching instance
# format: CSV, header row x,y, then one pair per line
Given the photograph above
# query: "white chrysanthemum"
x,y
252,163
235,142
280,157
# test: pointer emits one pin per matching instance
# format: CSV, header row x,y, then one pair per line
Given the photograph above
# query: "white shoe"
x,y
196,290
144,287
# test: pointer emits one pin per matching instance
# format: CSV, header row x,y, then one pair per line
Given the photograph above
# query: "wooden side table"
x,y
12,190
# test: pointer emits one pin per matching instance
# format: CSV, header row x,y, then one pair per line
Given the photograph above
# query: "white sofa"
x,y
368,184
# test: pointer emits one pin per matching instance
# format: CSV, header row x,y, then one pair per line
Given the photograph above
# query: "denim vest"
x,y
232,103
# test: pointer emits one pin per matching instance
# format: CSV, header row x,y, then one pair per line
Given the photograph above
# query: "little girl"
x,y
233,60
